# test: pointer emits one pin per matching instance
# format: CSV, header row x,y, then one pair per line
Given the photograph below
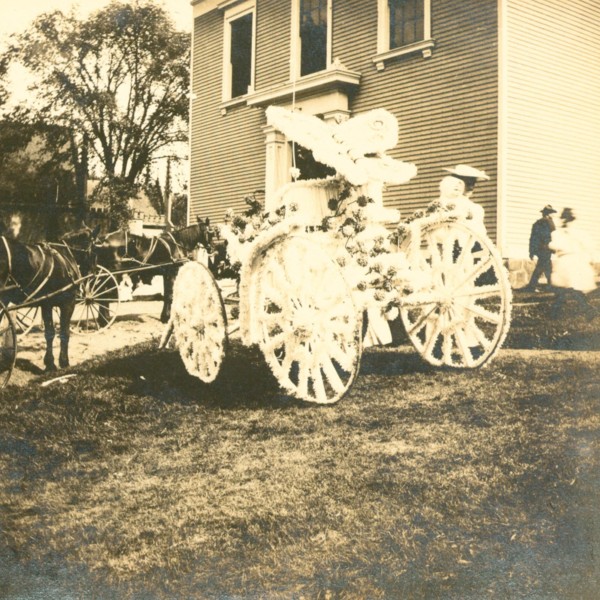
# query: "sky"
x,y
16,15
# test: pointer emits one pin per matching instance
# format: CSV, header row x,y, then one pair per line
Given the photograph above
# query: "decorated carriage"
x,y
320,274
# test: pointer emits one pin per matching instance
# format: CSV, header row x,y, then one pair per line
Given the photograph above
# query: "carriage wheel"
x,y
464,317
97,302
26,319
309,328
199,321
8,345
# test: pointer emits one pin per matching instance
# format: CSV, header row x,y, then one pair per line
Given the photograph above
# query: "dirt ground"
x,y
137,321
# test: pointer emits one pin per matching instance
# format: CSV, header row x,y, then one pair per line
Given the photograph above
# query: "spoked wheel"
x,y
309,329
462,320
199,321
8,345
97,302
26,319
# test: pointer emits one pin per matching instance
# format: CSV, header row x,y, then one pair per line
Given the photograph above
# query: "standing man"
x,y
541,234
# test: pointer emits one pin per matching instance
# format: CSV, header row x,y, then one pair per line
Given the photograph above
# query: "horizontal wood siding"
x,y
552,128
227,151
446,105
273,43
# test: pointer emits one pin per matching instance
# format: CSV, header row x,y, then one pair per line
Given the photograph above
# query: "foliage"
x,y
114,193
119,79
35,164
179,210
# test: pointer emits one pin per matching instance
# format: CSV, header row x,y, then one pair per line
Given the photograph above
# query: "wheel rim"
x,y
199,321
97,302
310,330
464,317
26,319
8,346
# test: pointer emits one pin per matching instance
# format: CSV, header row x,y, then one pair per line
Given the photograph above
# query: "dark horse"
x,y
162,255
45,274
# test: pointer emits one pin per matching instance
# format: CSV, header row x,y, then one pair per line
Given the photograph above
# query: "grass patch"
x,y
135,480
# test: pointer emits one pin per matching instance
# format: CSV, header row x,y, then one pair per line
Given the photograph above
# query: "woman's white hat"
x,y
466,171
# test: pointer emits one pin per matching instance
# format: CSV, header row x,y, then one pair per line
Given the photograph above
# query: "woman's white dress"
x,y
572,258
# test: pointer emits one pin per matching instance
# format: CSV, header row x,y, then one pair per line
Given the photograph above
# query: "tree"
x,y
117,81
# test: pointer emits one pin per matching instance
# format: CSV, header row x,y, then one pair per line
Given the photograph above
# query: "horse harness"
x,y
50,257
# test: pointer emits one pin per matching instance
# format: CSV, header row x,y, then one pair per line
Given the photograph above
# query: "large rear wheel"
x,y
462,320
310,331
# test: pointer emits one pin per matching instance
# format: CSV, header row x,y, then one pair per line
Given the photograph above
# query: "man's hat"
x,y
466,172
547,210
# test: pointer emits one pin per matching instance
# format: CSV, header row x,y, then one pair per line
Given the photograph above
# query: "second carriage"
x,y
318,284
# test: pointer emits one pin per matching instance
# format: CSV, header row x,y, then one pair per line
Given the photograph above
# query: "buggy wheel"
x,y
97,302
8,345
199,321
464,317
309,329
26,319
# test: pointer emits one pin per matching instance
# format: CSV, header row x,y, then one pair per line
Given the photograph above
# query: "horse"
x,y
46,275
159,255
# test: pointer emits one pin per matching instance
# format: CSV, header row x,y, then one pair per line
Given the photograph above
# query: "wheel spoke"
x,y
491,317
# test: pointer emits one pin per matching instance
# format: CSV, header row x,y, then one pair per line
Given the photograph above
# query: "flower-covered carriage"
x,y
320,274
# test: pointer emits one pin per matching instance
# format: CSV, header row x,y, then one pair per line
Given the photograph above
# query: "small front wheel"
x,y
199,321
97,302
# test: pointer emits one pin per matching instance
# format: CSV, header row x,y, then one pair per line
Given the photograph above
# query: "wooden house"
x,y
508,86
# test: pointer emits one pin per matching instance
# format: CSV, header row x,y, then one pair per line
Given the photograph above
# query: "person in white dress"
x,y
572,271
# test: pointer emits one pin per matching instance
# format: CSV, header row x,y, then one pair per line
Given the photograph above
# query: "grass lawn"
x,y
133,480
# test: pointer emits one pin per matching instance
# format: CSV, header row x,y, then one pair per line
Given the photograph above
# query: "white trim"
x,y
501,208
201,7
383,36
333,78
238,9
296,44
191,119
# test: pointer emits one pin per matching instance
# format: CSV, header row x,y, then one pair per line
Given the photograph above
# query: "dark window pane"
x,y
406,22
241,55
313,35
309,167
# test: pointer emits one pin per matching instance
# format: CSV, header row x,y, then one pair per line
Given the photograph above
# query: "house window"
x,y
406,22
239,35
311,36
404,27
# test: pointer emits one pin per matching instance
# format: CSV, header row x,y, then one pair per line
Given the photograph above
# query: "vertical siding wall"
x,y
551,149
446,105
227,151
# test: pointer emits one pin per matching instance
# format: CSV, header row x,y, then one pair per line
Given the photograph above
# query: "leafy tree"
x,y
117,81
114,193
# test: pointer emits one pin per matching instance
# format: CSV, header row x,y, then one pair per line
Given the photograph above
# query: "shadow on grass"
x,y
26,365
244,381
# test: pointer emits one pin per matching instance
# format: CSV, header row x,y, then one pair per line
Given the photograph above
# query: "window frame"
x,y
384,52
232,14
296,42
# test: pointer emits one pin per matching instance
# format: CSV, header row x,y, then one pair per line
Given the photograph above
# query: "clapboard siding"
x,y
446,105
227,150
274,23
551,146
